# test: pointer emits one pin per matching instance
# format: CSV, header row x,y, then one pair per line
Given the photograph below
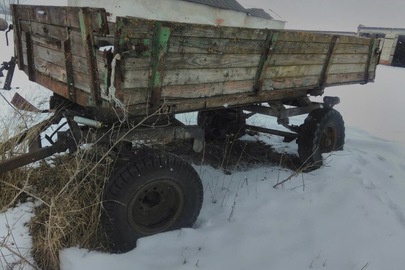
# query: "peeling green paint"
x,y
160,47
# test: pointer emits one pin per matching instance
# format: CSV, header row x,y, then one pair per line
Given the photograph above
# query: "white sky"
x,y
336,15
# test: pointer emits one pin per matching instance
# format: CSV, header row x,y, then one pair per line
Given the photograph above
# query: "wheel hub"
x,y
328,141
156,206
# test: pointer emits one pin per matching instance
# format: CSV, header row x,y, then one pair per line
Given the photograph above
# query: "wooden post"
x,y
160,46
88,42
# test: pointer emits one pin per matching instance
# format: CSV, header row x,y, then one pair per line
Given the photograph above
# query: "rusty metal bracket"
x,y
324,73
10,67
10,27
267,51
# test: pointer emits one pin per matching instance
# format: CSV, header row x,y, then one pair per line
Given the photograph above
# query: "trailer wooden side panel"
x,y
184,66
205,61
53,49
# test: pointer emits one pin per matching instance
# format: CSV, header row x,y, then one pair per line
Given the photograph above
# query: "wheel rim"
x,y
328,139
156,206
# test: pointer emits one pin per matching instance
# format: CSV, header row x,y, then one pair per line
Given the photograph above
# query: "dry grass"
x,y
71,191
13,182
234,154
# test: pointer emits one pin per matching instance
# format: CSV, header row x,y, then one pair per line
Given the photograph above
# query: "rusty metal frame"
x,y
323,76
266,54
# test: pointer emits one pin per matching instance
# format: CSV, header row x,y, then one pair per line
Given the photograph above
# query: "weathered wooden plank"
x,y
296,59
49,31
135,63
159,52
103,61
62,16
48,42
60,88
58,58
348,58
346,68
247,98
136,47
288,47
53,63
97,19
337,79
49,15
133,96
80,65
219,46
87,32
56,33
59,73
351,48
196,76
77,44
207,89
353,40
315,37
290,83
189,61
292,71
209,31
136,79
128,27
303,36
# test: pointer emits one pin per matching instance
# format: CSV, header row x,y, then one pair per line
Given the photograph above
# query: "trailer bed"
x,y
181,67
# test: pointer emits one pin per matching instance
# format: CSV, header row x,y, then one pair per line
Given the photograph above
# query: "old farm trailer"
x,y
126,81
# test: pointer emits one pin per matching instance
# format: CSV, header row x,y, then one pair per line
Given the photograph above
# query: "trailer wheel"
x,y
218,124
322,132
154,194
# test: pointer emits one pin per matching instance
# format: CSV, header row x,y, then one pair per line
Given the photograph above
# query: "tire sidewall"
x,y
129,179
310,135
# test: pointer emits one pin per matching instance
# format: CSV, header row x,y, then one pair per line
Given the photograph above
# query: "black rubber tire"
x,y
219,124
154,194
322,132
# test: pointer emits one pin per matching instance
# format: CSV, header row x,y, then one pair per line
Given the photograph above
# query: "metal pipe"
x,y
87,122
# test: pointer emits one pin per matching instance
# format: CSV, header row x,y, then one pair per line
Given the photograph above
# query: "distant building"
x,y
212,12
393,49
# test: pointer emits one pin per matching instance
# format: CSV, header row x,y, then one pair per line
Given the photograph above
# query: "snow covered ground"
x,y
347,215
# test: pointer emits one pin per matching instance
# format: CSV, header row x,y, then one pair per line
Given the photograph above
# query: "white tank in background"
x,y
219,12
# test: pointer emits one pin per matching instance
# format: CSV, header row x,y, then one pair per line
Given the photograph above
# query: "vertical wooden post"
x,y
371,51
69,68
160,47
30,56
88,42
17,37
